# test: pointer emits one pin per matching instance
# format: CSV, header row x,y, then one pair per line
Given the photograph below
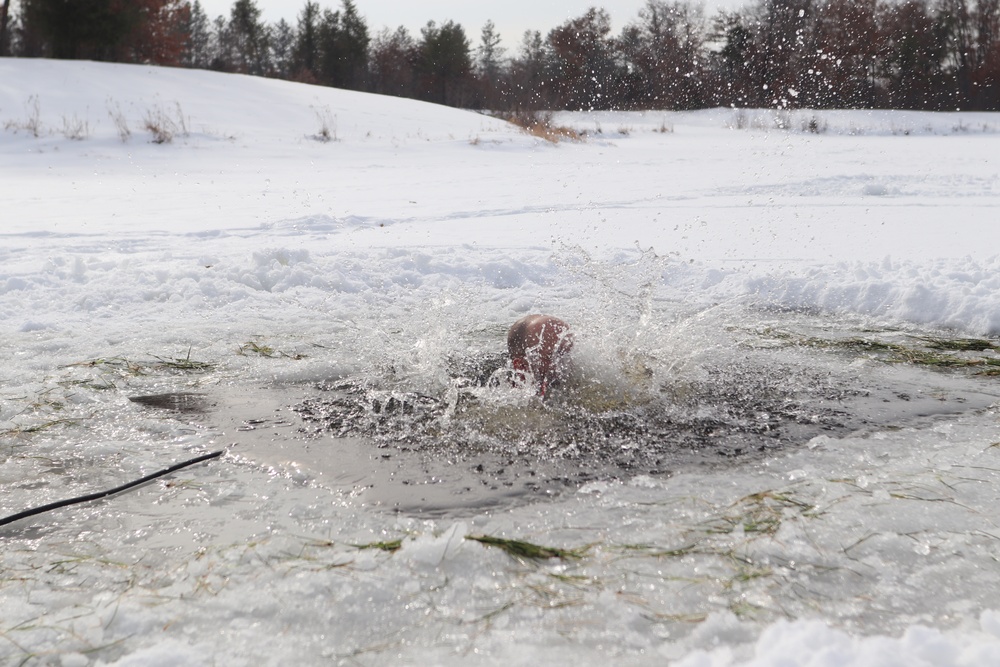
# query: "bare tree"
x,y
841,68
529,77
985,84
583,61
665,49
393,63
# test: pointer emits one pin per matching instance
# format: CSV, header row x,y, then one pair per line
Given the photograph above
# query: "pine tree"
x,y
150,31
282,43
306,52
492,83
93,29
4,27
445,63
489,53
357,39
529,75
199,39
247,39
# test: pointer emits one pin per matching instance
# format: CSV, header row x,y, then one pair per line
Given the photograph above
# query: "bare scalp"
x,y
539,345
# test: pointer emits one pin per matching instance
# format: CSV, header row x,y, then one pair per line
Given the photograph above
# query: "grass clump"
x,y
163,125
100,384
127,367
183,364
37,428
33,118
327,125
252,347
119,120
521,549
120,364
961,344
653,551
74,128
759,513
539,124
935,352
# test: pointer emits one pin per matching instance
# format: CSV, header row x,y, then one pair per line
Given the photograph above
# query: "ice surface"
x,y
710,261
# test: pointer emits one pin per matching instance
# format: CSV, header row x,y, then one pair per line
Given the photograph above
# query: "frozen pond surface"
x,y
780,443
480,445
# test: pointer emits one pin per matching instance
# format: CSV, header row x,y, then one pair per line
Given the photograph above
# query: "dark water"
x,y
477,443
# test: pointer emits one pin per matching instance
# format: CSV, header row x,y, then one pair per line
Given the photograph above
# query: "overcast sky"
x,y
512,17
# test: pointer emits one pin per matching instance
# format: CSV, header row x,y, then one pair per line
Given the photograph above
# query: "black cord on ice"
x,y
110,492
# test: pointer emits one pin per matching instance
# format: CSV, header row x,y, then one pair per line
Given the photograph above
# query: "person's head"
x,y
539,346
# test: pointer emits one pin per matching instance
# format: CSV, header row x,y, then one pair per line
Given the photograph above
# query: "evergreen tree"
x,y
92,29
529,79
330,56
445,64
353,48
5,28
912,56
343,48
489,53
198,53
282,43
247,39
738,62
985,85
306,52
920,54
222,48
149,31
491,83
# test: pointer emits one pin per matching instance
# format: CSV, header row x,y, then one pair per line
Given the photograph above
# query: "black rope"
x,y
110,492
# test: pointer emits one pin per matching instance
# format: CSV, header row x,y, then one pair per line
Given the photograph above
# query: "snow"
x,y
418,233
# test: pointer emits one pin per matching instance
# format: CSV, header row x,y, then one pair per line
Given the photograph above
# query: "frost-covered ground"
x,y
288,235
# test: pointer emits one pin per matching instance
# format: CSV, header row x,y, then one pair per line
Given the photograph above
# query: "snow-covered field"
x,y
287,236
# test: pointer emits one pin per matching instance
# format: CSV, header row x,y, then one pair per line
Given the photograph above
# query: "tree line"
x,y
904,54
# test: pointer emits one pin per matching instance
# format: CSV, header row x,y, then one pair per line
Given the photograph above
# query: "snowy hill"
x,y
219,106
760,204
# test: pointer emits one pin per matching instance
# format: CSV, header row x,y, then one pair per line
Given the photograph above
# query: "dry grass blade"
x,y
389,545
113,362
185,364
37,428
760,513
652,551
252,347
960,344
522,549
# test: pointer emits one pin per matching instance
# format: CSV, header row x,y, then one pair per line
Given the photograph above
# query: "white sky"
x,y
512,17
